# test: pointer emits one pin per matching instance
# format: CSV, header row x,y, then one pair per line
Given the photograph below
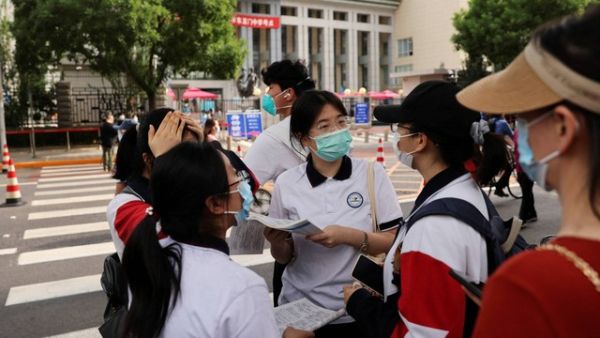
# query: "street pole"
x,y
2,122
30,113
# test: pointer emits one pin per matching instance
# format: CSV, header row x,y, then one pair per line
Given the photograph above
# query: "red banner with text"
x,y
256,21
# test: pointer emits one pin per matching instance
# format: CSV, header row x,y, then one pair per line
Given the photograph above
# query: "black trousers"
x,y
277,283
527,210
504,179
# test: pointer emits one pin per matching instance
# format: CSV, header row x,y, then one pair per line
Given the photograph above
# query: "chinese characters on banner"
x,y
255,21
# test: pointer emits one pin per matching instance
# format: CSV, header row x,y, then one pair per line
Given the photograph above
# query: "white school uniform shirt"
x,y
219,298
272,152
316,272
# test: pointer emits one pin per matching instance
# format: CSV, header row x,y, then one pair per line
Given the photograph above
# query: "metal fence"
x,y
88,104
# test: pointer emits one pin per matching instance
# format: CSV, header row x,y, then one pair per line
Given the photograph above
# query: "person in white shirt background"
x,y
331,191
190,287
276,150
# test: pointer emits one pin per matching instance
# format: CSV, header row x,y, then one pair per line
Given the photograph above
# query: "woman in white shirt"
x,y
186,285
331,191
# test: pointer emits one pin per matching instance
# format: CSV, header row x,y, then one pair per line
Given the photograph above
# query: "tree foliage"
x,y
494,32
144,40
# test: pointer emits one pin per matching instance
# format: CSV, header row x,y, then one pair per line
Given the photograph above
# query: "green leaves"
x,y
498,30
145,40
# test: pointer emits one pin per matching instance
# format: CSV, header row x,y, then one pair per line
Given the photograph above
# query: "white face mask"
x,y
404,157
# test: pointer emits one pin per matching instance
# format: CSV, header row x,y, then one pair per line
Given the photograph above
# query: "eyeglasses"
x,y
395,127
242,175
341,122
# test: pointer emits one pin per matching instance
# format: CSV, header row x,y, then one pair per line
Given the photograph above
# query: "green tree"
x,y
142,40
494,32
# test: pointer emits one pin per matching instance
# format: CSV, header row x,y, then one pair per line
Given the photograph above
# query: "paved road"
x,y
52,249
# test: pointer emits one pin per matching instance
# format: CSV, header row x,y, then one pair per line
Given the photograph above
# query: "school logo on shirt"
x,y
355,200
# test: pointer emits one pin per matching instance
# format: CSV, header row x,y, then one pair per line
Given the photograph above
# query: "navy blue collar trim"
x,y
141,186
439,181
208,241
315,178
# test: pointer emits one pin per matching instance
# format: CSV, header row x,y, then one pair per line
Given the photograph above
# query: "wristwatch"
x,y
364,246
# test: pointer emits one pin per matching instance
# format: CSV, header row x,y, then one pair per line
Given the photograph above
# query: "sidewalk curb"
x,y
50,163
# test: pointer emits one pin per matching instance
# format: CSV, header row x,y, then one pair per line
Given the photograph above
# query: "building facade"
x,y
422,42
345,44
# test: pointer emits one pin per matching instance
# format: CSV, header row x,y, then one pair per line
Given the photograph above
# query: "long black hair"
x,y
182,179
575,41
288,74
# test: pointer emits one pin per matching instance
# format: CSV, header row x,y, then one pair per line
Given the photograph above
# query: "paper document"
x,y
301,227
302,314
246,238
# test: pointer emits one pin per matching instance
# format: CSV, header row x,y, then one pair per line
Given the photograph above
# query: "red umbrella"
x,y
196,93
170,93
386,94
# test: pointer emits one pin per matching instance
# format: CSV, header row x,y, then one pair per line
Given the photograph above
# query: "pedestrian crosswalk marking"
x,y
49,290
66,172
72,178
65,230
70,166
106,181
87,333
108,187
77,199
9,251
68,252
66,212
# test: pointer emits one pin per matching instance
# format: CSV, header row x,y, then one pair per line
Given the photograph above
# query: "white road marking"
x,y
87,333
72,167
49,290
26,183
65,230
77,199
69,252
66,212
72,178
72,172
8,251
107,181
109,187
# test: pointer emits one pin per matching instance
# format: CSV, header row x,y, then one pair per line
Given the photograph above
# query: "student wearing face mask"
x,y
276,150
331,191
188,286
435,135
553,89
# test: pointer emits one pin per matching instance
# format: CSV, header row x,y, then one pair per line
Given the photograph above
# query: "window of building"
x,y
364,18
289,11
261,9
315,13
385,20
403,68
340,16
405,47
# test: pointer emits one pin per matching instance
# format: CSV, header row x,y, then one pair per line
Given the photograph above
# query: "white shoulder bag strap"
x,y
372,197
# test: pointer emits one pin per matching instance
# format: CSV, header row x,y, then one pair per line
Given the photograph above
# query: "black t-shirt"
x,y
108,134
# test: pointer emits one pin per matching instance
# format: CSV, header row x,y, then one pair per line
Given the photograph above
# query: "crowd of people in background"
x,y
180,192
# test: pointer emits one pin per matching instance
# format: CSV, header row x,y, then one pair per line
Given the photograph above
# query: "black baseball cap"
x,y
431,106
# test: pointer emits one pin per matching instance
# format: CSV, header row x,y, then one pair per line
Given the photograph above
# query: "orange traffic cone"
x,y
13,192
380,158
5,158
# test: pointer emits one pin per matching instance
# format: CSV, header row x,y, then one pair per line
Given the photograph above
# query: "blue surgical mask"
x,y
245,192
536,170
404,157
268,104
333,146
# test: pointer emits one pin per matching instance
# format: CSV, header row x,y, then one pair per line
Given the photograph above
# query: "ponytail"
x,y
153,275
493,158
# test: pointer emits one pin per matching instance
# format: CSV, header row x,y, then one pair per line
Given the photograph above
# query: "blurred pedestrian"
x,y
553,88
527,211
211,134
108,138
499,126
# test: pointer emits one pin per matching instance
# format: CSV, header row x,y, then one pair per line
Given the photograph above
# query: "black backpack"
x,y
501,237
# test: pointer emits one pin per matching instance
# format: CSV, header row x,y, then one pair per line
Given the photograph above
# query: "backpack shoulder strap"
x,y
456,208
